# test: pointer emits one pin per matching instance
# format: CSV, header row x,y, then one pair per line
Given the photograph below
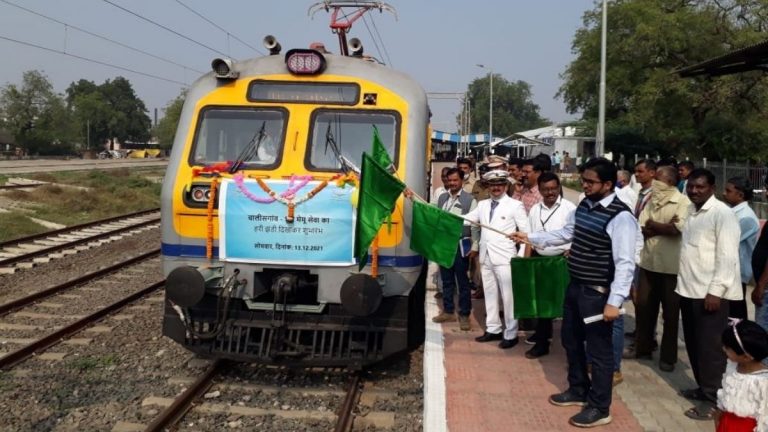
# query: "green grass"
x,y
3,179
110,193
17,224
90,363
572,184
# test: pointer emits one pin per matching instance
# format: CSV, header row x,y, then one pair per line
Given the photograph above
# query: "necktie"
x,y
494,203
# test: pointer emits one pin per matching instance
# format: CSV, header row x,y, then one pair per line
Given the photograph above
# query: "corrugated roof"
x,y
754,57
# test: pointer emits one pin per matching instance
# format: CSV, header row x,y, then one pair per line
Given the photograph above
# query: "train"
x,y
259,204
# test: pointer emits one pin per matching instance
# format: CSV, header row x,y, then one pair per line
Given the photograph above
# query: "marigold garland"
x,y
209,236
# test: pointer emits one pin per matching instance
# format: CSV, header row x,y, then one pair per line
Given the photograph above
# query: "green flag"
x,y
378,194
435,233
538,286
379,152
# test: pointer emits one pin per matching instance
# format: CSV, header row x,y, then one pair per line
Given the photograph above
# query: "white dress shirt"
x,y
628,196
709,257
626,244
543,218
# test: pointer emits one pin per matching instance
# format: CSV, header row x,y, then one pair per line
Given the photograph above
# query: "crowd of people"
x,y
658,237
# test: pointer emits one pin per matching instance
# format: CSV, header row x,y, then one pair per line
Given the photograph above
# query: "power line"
x,y
220,28
372,37
164,27
93,61
383,46
66,25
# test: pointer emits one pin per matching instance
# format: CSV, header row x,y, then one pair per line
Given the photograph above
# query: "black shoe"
x,y
567,398
693,394
537,351
531,340
487,337
666,367
508,343
590,417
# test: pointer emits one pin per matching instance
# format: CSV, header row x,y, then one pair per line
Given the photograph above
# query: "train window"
x,y
341,136
303,92
225,134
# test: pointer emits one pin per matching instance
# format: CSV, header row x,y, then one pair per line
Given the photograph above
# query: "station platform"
x,y
478,387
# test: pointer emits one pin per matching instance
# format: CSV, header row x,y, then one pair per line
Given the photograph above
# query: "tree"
x,y
37,116
112,110
649,108
165,131
513,107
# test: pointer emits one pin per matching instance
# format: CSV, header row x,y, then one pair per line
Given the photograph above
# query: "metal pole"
x,y
601,115
88,134
490,103
490,111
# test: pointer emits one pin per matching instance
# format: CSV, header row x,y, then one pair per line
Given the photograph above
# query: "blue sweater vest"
x,y
591,259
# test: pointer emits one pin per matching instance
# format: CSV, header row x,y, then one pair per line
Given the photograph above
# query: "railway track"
x,y
18,323
339,412
28,251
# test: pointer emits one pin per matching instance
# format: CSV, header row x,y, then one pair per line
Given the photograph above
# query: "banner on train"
x,y
255,230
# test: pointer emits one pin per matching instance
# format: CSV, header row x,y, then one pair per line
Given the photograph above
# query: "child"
x,y
743,400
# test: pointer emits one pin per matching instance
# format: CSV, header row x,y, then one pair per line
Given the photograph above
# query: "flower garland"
x,y
288,197
288,194
209,232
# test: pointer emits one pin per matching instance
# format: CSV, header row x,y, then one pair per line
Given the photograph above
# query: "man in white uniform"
x,y
496,250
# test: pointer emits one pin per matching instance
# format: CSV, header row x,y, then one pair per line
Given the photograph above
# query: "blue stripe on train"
x,y
193,251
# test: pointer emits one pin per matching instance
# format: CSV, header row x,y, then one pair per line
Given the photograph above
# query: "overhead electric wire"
x,y
373,38
93,61
383,46
67,25
220,27
164,27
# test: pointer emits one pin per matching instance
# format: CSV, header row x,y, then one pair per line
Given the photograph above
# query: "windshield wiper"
x,y
251,149
330,141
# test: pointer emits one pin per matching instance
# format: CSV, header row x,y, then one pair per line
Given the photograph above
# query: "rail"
x,y
76,227
27,300
33,254
176,411
12,359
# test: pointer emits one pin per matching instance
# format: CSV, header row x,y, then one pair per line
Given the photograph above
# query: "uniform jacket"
x,y
508,217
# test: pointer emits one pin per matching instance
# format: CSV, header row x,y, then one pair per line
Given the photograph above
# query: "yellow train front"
x,y
259,206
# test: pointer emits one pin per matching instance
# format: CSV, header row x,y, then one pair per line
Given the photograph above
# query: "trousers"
x,y
702,331
450,277
596,338
497,284
653,290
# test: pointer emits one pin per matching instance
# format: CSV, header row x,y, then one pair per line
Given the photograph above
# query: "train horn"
x,y
356,47
271,43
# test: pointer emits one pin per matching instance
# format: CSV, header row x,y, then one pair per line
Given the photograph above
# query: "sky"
x,y
437,42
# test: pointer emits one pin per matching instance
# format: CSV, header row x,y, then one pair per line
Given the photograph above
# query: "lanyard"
x,y
544,222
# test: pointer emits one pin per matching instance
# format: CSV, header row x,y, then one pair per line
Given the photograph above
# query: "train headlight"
x,y
304,62
222,69
200,194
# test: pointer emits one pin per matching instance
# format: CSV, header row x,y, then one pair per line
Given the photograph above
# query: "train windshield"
x,y
341,137
228,134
